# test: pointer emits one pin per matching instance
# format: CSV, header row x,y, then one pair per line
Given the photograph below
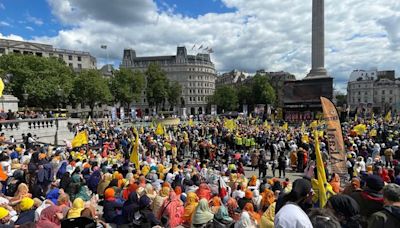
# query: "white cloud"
x,y
29,28
11,37
4,24
273,34
2,6
35,20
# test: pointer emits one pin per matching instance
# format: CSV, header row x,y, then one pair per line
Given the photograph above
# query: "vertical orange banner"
x,y
335,138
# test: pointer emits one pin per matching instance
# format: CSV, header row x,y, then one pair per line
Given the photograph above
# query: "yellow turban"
x,y
3,212
26,204
77,207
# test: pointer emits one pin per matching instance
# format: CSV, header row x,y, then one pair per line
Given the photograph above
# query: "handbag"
x,y
164,219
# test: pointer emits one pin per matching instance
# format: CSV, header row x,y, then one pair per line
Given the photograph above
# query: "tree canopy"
x,y
126,86
90,88
225,97
39,77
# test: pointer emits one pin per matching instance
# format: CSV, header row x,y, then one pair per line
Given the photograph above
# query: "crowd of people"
x,y
201,174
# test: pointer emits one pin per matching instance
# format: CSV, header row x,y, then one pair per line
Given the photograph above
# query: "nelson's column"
x,y
302,97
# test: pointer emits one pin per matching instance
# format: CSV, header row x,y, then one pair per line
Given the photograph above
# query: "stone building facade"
x,y
373,90
233,77
277,80
77,60
195,73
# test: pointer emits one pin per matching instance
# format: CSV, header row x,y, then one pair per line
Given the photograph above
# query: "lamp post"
x,y
59,94
25,96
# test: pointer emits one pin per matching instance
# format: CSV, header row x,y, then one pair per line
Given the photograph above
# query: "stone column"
x,y
318,36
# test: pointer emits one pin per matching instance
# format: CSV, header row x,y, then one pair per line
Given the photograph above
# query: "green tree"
x,y
90,88
341,100
245,95
263,92
40,77
157,86
126,86
174,94
225,97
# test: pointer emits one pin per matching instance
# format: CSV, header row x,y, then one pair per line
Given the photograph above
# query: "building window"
x,y
383,92
70,57
383,99
190,98
79,66
79,58
70,65
358,86
390,91
391,100
366,93
144,100
359,93
40,54
359,99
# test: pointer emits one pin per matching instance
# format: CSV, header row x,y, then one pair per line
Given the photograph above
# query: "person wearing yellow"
x,y
77,207
27,214
191,203
4,217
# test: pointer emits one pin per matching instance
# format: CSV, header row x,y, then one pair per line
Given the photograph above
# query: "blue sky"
x,y
246,35
31,19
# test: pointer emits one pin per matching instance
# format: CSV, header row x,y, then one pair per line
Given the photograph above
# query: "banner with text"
x,y
335,139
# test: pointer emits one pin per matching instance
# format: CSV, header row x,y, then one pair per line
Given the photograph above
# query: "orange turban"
x,y
248,194
109,194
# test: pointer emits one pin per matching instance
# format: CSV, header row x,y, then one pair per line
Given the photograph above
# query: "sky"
x,y
245,34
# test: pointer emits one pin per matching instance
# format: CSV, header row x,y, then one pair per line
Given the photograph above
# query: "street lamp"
x,y
59,93
25,95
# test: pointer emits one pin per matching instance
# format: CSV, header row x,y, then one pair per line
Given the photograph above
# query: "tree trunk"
x,y
91,110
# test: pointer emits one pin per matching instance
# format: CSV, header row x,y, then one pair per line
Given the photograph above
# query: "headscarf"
x,y
204,191
253,181
216,204
344,205
83,193
244,221
232,205
107,177
149,191
191,204
131,188
223,215
77,207
26,204
48,218
109,194
53,195
65,180
62,170
268,197
174,209
335,183
131,206
254,215
94,180
203,214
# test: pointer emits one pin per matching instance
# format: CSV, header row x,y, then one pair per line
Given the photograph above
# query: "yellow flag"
x,y
191,124
305,139
373,133
388,117
266,125
355,118
314,124
80,139
303,128
141,130
321,174
372,121
360,129
230,124
1,87
285,126
135,150
159,130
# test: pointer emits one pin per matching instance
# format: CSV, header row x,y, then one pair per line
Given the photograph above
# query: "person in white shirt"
x,y
293,202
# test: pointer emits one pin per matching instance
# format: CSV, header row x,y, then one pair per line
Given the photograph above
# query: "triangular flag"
x,y
159,130
80,139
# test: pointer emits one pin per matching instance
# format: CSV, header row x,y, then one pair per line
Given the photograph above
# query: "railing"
x,y
32,123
